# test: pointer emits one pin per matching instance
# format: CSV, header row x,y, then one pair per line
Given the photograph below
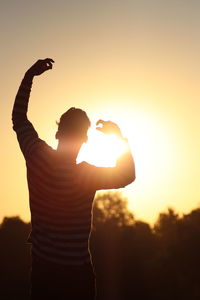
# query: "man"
x,y
61,195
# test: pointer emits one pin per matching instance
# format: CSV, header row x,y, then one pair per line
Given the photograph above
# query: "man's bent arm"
x,y
122,174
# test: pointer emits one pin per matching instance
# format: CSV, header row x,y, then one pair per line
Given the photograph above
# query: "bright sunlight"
x,y
101,150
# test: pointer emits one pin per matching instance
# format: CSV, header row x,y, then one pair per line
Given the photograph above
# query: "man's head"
x,y
73,126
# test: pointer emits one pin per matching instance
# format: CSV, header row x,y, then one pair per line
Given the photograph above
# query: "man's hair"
x,y
74,122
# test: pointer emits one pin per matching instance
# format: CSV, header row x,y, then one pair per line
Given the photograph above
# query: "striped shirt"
x,y
61,195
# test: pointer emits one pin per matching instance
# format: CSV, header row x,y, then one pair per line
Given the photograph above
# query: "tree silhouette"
x,y
116,246
131,259
14,259
112,207
178,256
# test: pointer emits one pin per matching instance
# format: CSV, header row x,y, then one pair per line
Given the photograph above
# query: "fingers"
x,y
99,129
100,122
48,63
48,60
49,66
108,127
106,123
41,66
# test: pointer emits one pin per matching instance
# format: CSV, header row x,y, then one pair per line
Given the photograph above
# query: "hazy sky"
x,y
133,62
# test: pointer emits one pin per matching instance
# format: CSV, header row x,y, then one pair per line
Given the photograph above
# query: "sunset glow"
x,y
135,63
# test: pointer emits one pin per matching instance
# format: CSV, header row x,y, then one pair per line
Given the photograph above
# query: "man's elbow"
x,y
127,179
13,120
131,178
129,172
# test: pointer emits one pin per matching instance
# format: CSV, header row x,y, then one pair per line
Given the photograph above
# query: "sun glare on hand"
x,y
101,150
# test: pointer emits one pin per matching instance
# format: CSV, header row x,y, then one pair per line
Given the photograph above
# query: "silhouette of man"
x,y
61,195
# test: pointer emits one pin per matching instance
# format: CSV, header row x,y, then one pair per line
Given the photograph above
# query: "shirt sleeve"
x,y
98,178
27,136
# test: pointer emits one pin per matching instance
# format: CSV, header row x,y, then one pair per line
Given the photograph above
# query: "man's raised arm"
x,y
26,133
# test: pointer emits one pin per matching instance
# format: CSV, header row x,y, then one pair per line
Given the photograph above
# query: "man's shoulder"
x,y
41,150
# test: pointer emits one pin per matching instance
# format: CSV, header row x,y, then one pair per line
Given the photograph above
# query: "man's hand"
x,y
109,127
41,66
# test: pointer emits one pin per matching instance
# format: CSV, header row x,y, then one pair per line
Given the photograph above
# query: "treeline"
x,y
132,260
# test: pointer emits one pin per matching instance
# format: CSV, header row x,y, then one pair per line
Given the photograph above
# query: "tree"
x,y
112,207
119,245
14,259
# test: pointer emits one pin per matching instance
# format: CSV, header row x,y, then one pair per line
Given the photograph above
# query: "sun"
x,y
101,150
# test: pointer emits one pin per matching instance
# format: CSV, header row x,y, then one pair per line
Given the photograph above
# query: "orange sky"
x,y
133,62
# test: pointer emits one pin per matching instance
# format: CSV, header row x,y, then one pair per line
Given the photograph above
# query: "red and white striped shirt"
x,y
61,196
